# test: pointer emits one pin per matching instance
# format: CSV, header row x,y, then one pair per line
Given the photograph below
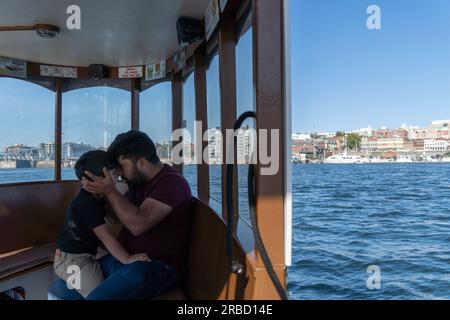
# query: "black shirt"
x,y
86,212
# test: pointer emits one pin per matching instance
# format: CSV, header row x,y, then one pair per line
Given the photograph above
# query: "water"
x,y
348,217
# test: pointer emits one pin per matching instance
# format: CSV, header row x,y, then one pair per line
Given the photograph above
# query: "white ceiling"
x,y
113,32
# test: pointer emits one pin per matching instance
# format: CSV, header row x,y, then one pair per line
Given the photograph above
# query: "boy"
x,y
84,228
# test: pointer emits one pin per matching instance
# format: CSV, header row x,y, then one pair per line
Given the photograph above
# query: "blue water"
x,y
348,217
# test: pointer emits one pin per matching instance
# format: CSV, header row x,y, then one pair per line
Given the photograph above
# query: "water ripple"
x,y
346,218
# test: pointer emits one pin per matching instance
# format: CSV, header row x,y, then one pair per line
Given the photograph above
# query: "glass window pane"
x,y
27,113
246,137
214,134
156,117
189,166
91,119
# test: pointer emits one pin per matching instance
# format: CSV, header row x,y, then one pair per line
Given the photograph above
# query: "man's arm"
x,y
111,216
115,248
136,219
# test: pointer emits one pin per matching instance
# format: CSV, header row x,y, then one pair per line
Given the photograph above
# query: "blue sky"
x,y
344,77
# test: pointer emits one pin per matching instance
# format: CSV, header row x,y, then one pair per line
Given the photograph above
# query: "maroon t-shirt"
x,y
168,240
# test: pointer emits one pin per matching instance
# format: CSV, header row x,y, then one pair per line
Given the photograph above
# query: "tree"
x,y
340,134
353,141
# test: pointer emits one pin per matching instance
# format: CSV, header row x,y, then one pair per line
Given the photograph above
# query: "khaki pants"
x,y
82,270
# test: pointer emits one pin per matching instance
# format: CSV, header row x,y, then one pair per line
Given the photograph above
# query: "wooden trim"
x,y
188,69
212,45
145,85
58,129
135,103
34,183
268,67
202,116
177,108
228,100
46,83
16,28
244,21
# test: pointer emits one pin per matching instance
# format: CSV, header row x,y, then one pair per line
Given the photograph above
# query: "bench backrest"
x,y
32,214
207,275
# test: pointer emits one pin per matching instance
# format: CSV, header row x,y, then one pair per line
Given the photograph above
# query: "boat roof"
x,y
113,32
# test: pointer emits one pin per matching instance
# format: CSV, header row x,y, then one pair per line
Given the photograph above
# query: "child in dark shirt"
x,y
84,228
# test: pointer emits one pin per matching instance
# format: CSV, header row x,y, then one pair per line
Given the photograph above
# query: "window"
x,y
156,117
215,147
91,119
189,164
246,136
27,113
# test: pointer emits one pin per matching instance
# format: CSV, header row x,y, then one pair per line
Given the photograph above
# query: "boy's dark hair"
x,y
133,145
94,162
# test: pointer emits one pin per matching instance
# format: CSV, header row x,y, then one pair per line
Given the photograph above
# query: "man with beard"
x,y
156,216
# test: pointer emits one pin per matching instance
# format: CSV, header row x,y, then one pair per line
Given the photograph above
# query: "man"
x,y
156,216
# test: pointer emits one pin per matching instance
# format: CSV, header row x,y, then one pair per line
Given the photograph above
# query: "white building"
x,y
215,146
326,134
384,144
49,148
439,145
364,132
437,130
301,136
391,144
369,144
439,124
246,145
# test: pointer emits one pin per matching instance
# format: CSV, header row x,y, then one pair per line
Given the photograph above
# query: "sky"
x,y
344,77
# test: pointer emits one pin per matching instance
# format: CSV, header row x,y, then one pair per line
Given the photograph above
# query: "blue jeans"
x,y
134,281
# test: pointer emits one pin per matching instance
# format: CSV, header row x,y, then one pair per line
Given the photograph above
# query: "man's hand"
x,y
99,185
137,257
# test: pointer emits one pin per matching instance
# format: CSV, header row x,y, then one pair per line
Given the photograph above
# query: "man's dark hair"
x,y
94,162
133,145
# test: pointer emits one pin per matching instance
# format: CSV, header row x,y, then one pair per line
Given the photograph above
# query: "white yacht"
x,y
344,158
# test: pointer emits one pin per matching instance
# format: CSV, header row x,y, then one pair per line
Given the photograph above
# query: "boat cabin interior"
x,y
134,47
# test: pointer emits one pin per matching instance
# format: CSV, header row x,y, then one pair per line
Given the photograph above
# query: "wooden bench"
x,y
21,260
31,216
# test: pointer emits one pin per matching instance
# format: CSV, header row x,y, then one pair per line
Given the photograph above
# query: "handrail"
x,y
234,265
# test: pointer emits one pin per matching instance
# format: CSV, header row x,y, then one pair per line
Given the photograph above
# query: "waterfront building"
x,y
74,150
22,152
49,149
437,130
325,134
391,144
163,150
189,153
300,136
330,144
215,146
246,145
439,145
303,151
418,145
369,144
16,150
382,134
364,132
